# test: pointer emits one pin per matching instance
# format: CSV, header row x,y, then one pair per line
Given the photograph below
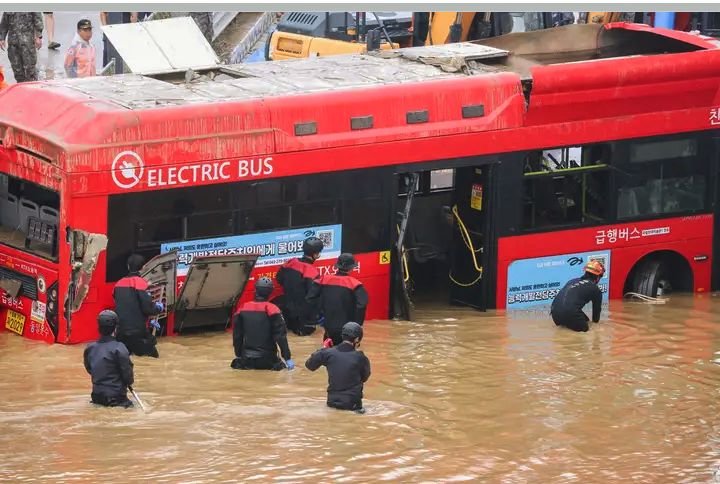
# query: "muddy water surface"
x,y
456,395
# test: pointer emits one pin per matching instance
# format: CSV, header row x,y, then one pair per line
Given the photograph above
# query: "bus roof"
x,y
76,115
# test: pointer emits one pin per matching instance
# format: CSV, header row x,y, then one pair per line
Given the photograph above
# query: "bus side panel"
x,y
29,316
90,215
373,271
689,236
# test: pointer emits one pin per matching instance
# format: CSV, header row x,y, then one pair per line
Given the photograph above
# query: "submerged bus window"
x,y
29,216
573,198
566,186
662,177
142,222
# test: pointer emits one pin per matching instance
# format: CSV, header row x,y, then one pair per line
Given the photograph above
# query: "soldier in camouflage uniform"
x,y
24,37
204,22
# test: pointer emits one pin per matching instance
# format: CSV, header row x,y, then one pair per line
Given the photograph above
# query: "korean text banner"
x,y
274,248
535,282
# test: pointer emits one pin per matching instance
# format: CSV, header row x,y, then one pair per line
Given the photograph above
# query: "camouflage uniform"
x,y
21,29
204,22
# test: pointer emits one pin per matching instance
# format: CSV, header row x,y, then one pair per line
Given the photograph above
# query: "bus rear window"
x,y
29,216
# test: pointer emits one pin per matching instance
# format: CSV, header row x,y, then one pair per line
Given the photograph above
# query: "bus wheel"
x,y
660,274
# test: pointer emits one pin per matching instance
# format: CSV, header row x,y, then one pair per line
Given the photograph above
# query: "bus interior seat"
x,y
49,214
628,203
9,211
425,233
27,209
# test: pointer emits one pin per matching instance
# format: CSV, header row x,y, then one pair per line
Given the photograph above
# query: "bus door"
x,y
470,226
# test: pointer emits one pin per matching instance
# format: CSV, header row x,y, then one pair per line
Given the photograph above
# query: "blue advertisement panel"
x,y
274,247
535,282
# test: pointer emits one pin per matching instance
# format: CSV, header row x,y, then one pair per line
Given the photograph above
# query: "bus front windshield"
x,y
29,215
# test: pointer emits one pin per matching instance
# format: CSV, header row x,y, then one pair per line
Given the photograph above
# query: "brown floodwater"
x,y
456,395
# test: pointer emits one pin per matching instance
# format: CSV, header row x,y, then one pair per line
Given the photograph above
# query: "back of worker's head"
x,y
352,333
346,262
135,262
263,288
594,270
312,246
107,322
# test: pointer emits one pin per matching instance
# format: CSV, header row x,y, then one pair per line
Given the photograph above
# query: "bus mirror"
x,y
79,244
90,246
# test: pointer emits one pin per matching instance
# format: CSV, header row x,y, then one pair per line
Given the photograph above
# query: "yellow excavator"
x,y
308,34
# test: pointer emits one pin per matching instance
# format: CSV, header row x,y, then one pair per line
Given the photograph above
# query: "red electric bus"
x,y
486,172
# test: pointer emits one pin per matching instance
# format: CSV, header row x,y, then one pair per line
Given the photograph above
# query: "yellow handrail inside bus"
x,y
468,243
406,269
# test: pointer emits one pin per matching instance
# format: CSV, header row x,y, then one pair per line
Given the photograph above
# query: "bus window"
x,y
149,232
265,219
214,224
319,213
29,216
566,186
442,179
662,177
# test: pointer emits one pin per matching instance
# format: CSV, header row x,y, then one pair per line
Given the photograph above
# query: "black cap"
x,y
346,262
352,331
264,287
84,23
312,245
135,262
107,319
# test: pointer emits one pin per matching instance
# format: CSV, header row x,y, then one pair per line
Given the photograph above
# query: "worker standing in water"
x,y
567,307
348,369
108,363
134,306
340,298
258,330
296,277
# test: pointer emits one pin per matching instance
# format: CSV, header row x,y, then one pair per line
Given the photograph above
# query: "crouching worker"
x,y
258,330
348,369
567,307
340,298
296,277
134,306
108,363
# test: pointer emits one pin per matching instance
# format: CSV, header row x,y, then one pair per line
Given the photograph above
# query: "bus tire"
x,y
267,46
651,278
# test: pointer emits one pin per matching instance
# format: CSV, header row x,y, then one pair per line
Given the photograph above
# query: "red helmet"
x,y
595,267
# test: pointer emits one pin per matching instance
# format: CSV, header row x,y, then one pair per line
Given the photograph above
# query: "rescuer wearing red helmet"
x,y
567,307
296,277
258,330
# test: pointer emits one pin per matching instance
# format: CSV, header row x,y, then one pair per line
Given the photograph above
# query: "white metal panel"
x,y
173,44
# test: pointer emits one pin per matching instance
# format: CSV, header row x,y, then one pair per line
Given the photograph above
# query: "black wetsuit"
x,y
296,277
567,306
347,369
341,298
257,328
108,363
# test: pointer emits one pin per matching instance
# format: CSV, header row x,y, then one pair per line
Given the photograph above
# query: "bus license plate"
x,y
15,322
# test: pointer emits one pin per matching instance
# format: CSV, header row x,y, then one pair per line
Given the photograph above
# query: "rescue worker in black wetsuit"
x,y
567,307
348,369
108,363
296,277
134,306
340,297
258,330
